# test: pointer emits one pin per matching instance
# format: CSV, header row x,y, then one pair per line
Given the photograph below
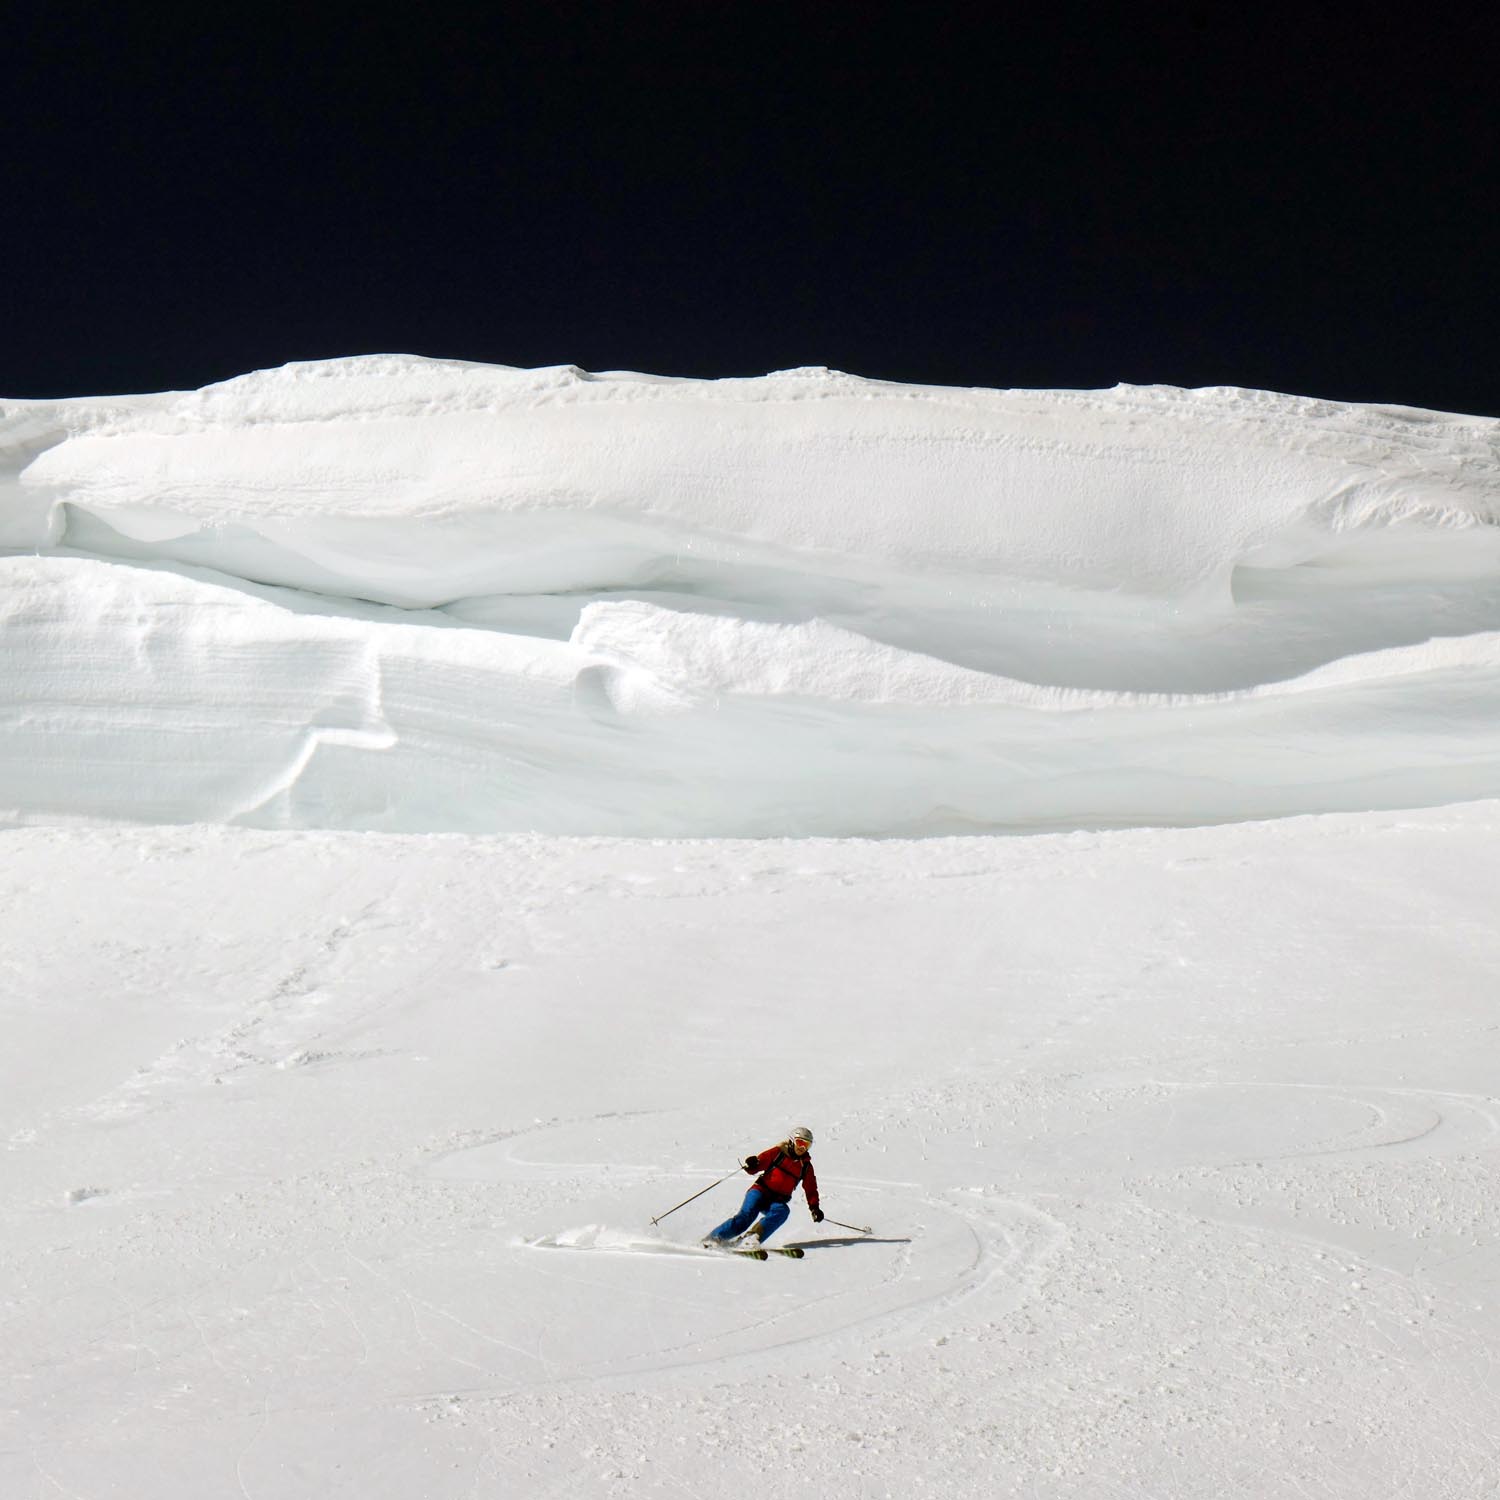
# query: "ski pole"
x,y
686,1201
857,1228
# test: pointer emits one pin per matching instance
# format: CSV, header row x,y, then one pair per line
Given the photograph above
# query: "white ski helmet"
x,y
801,1133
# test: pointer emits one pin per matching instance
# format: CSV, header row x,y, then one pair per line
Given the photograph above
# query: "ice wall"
x,y
414,594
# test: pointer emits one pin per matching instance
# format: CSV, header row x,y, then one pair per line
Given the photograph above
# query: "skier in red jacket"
x,y
780,1168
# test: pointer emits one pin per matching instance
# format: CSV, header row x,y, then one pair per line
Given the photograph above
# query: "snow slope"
x,y
331,1160
417,595
350,1049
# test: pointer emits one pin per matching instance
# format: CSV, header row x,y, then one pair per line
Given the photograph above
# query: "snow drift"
x,y
412,595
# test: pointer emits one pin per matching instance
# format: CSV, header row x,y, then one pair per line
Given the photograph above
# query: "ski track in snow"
x,y
973,1248
993,1250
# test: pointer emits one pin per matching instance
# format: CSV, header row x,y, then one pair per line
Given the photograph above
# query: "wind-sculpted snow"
x,y
421,595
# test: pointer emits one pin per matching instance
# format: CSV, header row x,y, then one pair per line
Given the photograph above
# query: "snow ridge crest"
x,y
618,602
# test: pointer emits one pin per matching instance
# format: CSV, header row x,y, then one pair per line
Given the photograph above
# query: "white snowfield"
x,y
340,1083
332,1159
419,595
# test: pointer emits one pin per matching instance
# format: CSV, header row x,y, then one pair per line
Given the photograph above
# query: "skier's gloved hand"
x,y
817,1214
751,1165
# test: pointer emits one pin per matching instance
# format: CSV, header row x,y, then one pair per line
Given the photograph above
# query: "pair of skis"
x,y
764,1252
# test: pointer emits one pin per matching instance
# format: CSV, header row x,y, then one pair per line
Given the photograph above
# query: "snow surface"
x,y
333,1142
332,1159
416,595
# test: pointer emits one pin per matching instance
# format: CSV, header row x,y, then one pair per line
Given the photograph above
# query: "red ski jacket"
x,y
781,1169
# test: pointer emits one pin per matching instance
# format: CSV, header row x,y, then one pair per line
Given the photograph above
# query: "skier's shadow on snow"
x,y
857,1239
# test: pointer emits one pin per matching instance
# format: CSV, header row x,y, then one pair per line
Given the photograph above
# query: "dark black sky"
x,y
950,193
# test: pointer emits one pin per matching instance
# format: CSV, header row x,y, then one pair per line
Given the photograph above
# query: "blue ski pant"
x,y
772,1213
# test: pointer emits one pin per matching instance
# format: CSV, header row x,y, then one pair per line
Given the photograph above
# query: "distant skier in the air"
x,y
780,1168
